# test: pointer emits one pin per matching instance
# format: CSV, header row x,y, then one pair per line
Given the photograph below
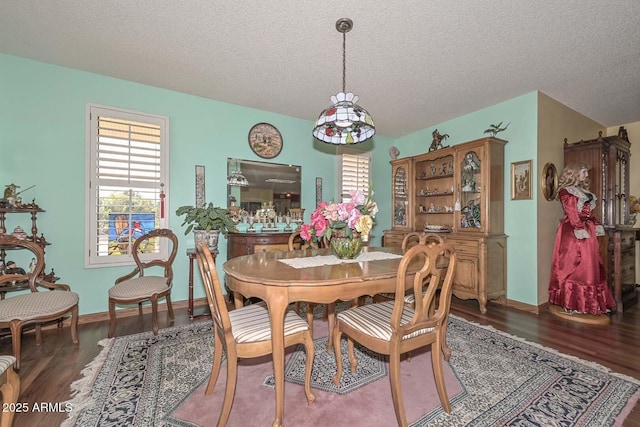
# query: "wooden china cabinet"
x,y
402,215
458,191
609,161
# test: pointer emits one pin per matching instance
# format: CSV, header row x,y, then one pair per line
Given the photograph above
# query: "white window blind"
x,y
128,176
354,173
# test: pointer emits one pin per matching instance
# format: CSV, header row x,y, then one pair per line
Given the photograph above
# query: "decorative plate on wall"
x,y
265,140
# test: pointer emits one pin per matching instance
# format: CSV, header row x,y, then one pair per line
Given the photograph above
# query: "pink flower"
x,y
344,218
306,232
357,197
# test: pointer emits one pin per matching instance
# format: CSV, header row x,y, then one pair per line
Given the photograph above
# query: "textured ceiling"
x,y
413,63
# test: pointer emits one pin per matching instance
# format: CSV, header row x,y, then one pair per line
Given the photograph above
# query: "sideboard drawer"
x,y
248,243
393,239
266,248
464,246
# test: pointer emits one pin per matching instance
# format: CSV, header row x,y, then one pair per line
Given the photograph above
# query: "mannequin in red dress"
x,y
578,282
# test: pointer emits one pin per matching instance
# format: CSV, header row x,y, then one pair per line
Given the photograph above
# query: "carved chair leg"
x,y
74,326
396,388
352,355
230,388
170,307
38,333
112,316
438,373
217,362
16,341
154,314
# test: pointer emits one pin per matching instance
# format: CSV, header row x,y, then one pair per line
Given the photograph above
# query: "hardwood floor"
x,y
49,369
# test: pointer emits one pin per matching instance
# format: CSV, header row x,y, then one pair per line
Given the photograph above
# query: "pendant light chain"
x,y
344,62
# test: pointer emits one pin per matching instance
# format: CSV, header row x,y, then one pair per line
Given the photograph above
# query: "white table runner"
x,y
321,260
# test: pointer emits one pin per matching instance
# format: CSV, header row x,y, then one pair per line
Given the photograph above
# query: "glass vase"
x,y
346,247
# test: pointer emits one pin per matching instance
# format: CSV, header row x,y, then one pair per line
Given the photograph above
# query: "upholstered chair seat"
x,y
251,323
37,304
375,320
44,302
139,287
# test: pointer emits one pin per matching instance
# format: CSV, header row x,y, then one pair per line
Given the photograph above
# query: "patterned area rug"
x,y
140,380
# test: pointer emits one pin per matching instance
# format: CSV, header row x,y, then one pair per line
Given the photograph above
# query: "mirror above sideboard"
x,y
275,183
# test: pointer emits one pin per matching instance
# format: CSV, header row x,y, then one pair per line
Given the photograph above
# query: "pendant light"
x,y
345,122
236,178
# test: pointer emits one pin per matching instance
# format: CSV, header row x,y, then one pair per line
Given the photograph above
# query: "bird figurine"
x,y
495,129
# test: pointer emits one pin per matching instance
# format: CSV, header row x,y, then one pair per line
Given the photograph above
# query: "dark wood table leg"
x,y
190,309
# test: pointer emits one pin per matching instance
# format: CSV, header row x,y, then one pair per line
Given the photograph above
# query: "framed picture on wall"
x,y
521,180
549,181
200,198
318,190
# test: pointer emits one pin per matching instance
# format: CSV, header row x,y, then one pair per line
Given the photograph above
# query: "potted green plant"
x,y
207,222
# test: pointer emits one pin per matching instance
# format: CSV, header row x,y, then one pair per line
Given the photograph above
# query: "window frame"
x,y
93,111
342,152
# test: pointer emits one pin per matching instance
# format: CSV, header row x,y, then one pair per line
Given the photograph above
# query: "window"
x,y
354,173
127,174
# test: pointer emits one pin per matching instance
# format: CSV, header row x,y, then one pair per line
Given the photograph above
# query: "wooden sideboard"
x,y
239,244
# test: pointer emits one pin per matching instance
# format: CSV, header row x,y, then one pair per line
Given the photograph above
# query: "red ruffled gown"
x,y
578,280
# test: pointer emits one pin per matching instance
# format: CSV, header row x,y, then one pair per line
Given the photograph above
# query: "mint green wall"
x,y
520,216
42,140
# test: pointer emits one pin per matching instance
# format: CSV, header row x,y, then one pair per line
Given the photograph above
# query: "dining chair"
x,y
9,390
138,287
245,333
393,328
410,240
44,301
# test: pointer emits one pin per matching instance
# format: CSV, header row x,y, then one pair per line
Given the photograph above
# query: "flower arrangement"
x,y
348,219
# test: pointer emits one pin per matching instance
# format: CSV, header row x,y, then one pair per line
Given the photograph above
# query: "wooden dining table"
x,y
267,276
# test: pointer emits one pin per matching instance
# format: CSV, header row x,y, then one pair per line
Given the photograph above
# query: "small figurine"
x,y
495,129
32,265
12,268
394,153
11,198
436,144
19,233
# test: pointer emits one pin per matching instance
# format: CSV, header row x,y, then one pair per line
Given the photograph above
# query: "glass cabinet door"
x,y
621,196
400,197
470,191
